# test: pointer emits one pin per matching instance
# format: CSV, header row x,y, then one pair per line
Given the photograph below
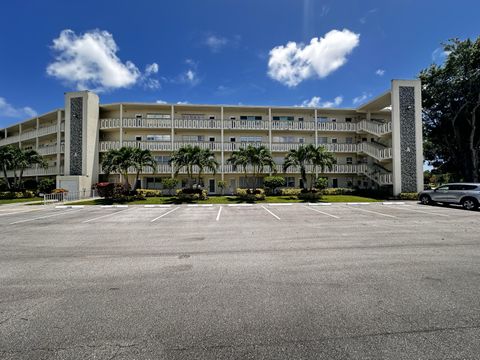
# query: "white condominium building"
x,y
377,145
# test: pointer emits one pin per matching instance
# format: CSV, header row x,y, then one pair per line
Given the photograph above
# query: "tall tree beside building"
x,y
451,110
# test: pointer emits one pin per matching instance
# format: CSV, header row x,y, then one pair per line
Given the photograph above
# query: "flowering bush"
x,y
149,192
191,194
59,191
8,195
291,191
250,194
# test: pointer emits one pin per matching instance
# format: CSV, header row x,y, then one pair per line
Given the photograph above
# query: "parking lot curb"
x,y
393,203
157,206
358,203
114,206
69,207
319,204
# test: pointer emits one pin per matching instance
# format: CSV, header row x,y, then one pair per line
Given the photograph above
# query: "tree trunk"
x,y
6,178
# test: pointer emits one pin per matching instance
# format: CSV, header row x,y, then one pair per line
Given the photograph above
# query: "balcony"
x,y
51,149
374,128
334,126
51,170
375,151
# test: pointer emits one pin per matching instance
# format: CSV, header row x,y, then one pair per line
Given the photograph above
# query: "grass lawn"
x,y
14,201
230,200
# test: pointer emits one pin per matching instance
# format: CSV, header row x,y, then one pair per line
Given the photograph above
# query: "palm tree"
x,y
185,157
142,158
118,161
319,157
16,159
298,158
23,160
259,157
205,159
240,158
6,160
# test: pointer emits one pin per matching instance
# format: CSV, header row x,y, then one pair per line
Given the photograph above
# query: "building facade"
x,y
377,145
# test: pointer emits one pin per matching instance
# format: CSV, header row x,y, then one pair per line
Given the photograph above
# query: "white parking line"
x,y
219,212
372,212
319,204
324,213
271,213
199,205
21,212
393,203
155,206
240,205
168,212
44,217
280,204
104,216
420,211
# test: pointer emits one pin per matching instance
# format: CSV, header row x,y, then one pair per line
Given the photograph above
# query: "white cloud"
x,y
439,55
361,98
182,102
315,101
189,76
90,61
216,43
160,102
8,110
380,72
293,63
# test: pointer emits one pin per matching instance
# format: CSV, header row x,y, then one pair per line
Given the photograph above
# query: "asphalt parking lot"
x,y
272,281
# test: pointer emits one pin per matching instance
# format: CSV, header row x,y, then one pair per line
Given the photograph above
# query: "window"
x,y
250,117
290,181
301,140
193,138
232,139
349,120
158,116
349,160
300,119
193,116
469,187
334,120
349,140
251,139
212,117
323,140
138,116
211,139
138,138
233,118
334,140
162,159
443,188
322,120
283,118
158,138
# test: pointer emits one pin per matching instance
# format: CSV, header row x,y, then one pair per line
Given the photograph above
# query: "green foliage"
x,y
222,184
189,195
257,157
291,191
193,158
451,111
250,195
408,196
7,195
311,196
169,184
273,182
46,185
149,193
321,183
338,191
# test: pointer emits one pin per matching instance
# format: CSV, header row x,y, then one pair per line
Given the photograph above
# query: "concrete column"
x,y
172,134
316,127
270,128
121,125
59,140
20,136
222,141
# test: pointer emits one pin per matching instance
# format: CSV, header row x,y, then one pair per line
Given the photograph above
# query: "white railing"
x,y
375,151
69,196
198,124
48,150
214,146
334,126
109,123
51,170
348,148
374,128
10,140
147,123
293,125
246,124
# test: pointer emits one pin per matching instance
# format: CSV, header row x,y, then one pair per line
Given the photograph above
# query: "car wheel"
x,y
470,204
425,200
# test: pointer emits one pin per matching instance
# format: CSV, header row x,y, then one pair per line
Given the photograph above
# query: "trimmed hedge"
x,y
291,191
149,192
9,195
338,191
188,195
408,196
250,195
313,195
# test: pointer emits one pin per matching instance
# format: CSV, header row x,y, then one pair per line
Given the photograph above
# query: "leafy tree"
x,y
17,160
451,110
46,185
222,185
205,160
239,159
185,157
6,161
274,182
321,158
140,159
119,161
298,158
321,183
169,184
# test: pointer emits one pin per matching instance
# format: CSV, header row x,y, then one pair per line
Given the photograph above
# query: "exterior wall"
x,y
407,136
90,129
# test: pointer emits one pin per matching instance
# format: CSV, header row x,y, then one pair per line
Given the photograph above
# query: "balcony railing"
x,y
51,149
374,127
375,151
51,170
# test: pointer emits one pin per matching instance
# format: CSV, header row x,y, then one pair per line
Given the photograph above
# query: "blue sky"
x,y
220,52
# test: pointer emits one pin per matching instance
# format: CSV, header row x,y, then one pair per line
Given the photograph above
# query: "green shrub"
x,y
187,195
272,183
409,196
250,195
105,189
31,184
8,195
149,192
338,191
46,185
321,183
169,184
307,195
291,191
